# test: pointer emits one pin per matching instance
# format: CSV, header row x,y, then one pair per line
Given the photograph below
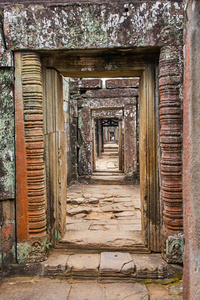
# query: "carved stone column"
x,y
30,169
170,82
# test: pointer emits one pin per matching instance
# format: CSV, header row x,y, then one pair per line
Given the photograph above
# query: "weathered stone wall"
x,y
92,97
93,25
191,148
7,158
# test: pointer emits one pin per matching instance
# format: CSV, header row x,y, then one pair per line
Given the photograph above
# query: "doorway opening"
x,y
70,132
104,207
107,145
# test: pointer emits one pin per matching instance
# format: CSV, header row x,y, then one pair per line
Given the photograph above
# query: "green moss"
x,y
146,281
7,157
23,251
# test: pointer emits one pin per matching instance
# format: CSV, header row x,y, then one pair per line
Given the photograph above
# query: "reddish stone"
x,y
90,84
8,232
122,83
170,141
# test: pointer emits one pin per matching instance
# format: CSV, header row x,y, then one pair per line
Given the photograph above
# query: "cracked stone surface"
x,y
106,266
116,262
23,288
81,264
126,291
94,210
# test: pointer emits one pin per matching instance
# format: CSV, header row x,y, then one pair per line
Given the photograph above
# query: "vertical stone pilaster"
x,y
130,142
30,168
170,83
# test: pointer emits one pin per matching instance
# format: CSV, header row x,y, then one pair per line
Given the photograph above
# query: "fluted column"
x,y
31,195
170,82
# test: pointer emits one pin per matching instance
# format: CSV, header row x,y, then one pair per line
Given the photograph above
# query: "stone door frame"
x,y
31,204
111,115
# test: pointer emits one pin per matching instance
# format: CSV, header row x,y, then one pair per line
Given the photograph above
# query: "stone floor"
x,y
109,160
107,163
103,215
29,288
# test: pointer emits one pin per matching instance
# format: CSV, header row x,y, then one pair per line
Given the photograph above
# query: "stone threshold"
x,y
98,241
107,267
114,179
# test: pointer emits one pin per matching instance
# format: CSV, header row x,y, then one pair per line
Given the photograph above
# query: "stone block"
x,y
116,263
150,266
157,289
122,83
55,264
90,84
83,265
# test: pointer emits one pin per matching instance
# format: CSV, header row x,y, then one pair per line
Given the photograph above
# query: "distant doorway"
x,y
108,154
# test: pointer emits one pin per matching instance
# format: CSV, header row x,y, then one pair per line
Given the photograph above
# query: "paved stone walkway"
x,y
107,163
103,215
29,288
110,158
103,207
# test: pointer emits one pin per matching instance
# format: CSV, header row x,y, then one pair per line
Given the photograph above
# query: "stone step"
x,y
111,145
113,179
112,154
105,267
107,173
97,241
110,149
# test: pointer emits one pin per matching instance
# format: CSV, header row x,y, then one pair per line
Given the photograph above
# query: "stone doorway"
x,y
106,150
106,213
54,183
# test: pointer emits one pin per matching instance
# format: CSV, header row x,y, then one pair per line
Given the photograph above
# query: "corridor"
x,y
103,217
109,160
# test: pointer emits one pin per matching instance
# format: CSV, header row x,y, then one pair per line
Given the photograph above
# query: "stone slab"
x,y
131,227
125,214
78,226
149,266
34,288
116,262
111,239
55,265
156,289
126,291
83,263
56,259
86,291
79,210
